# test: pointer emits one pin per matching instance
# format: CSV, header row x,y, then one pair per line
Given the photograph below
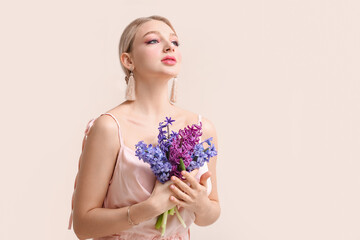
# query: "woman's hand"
x,y
160,196
190,193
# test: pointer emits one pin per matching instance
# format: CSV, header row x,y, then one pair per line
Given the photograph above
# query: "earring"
x,y
130,89
174,90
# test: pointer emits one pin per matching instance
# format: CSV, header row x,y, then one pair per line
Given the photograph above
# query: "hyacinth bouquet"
x,y
174,153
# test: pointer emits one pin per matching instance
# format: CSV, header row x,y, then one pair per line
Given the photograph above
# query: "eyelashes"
x,y
151,41
176,42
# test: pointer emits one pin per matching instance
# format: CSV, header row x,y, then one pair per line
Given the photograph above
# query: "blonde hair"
x,y
128,36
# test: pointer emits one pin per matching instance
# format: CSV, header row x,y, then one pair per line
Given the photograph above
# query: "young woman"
x,y
116,195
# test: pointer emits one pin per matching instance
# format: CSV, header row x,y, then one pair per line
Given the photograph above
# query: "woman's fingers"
x,y
182,185
180,194
178,202
190,177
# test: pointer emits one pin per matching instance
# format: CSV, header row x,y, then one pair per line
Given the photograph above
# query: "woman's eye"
x,y
175,42
151,41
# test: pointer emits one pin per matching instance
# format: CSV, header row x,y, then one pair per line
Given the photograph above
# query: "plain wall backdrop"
x,y
279,79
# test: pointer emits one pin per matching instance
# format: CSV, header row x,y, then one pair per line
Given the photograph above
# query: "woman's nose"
x,y
169,47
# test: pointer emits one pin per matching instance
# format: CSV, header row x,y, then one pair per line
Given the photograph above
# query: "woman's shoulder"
x,y
193,117
102,126
105,123
119,111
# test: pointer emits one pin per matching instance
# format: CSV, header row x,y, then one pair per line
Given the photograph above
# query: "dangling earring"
x,y
130,89
174,90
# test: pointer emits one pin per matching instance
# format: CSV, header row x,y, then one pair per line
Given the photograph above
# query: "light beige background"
x,y
279,79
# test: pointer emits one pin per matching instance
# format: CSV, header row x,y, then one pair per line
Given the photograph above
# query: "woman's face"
x,y
149,49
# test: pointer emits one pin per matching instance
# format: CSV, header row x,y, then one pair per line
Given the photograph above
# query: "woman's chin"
x,y
168,75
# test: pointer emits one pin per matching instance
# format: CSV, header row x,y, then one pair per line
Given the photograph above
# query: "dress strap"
x,y
117,122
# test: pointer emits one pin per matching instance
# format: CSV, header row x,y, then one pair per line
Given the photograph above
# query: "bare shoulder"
x,y
104,127
121,110
103,139
102,143
208,127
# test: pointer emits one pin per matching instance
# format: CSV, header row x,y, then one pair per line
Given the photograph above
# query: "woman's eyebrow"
x,y
157,32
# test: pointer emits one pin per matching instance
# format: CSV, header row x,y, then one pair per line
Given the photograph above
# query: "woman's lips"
x,y
169,61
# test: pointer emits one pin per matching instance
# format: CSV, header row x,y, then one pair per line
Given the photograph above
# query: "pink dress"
x,y
133,182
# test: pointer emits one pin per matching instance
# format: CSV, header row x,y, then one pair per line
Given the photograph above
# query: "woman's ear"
x,y
125,59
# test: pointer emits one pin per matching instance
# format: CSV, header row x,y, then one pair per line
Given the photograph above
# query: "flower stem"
x,y
172,211
163,225
179,217
182,165
159,221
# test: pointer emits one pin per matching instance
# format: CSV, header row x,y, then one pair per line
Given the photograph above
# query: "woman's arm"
x,y
100,222
97,165
211,211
